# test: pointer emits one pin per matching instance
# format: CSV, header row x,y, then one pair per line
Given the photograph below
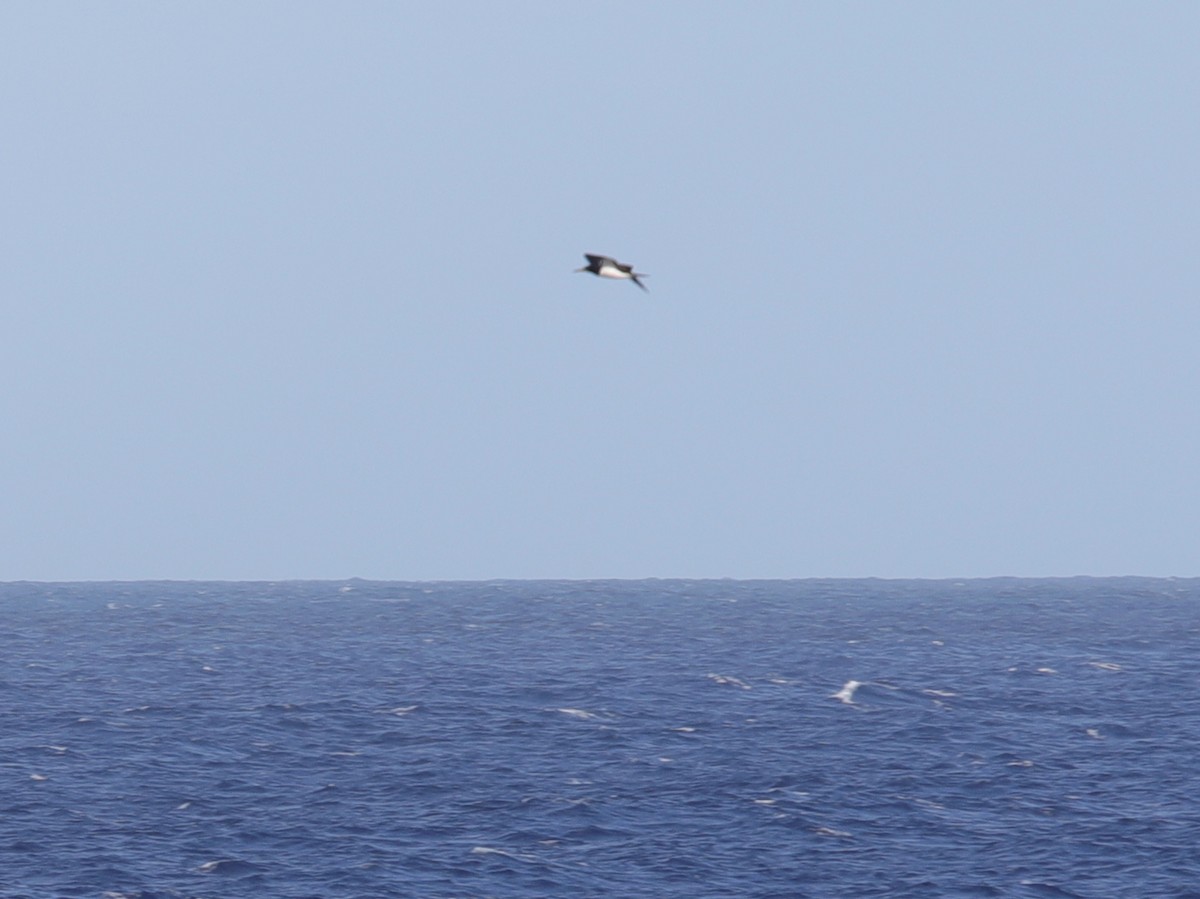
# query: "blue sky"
x,y
288,291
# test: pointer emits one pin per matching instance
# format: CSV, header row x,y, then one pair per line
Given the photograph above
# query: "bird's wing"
x,y
594,260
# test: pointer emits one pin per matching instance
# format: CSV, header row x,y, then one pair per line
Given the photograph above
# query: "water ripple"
x,y
659,738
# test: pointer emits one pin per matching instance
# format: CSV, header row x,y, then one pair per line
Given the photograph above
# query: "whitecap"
x,y
577,713
524,857
731,681
846,694
926,803
399,710
831,832
227,866
489,850
1106,666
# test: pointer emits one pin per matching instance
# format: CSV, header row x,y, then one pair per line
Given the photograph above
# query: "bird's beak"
x,y
578,270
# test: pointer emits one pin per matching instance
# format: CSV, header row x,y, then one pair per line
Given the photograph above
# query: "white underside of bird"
x,y
607,267
611,271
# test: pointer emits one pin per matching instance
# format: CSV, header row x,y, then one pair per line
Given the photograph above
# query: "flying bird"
x,y
607,267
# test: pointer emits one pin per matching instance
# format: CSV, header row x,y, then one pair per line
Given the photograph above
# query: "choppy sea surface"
x,y
818,738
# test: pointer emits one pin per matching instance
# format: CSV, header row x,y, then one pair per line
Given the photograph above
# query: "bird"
x,y
607,267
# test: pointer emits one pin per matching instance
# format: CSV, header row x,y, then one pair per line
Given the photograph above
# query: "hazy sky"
x,y
287,289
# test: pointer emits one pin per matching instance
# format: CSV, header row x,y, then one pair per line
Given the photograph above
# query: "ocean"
x,y
658,738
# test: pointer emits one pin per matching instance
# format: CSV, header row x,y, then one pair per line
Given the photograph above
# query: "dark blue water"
x,y
1025,738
